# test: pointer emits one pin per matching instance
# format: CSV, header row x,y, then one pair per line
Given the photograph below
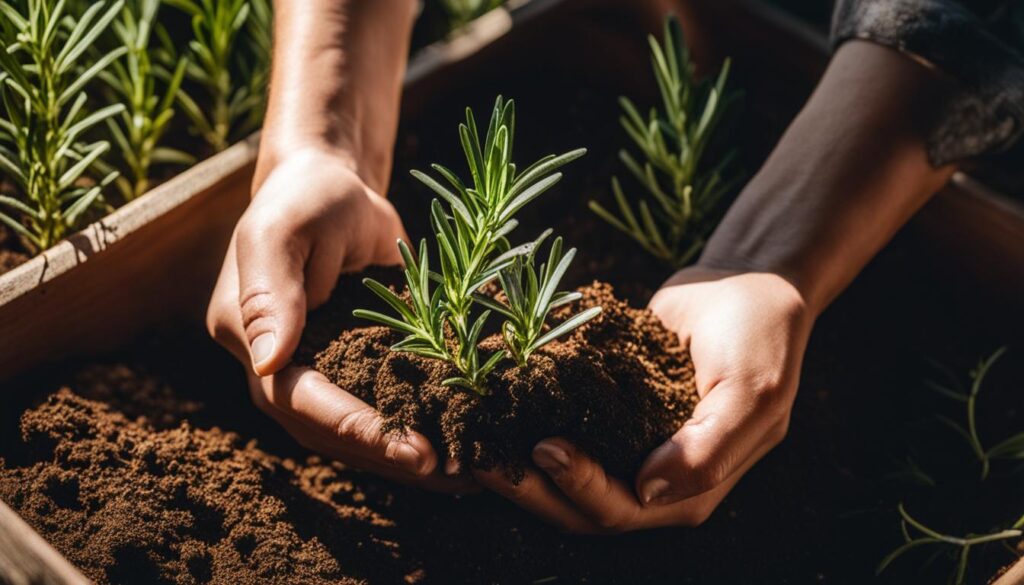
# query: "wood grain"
x,y
27,559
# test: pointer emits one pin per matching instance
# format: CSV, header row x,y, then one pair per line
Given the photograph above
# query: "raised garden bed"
x,y
819,508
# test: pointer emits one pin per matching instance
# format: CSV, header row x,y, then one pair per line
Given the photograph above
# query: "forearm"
x,y
848,173
336,82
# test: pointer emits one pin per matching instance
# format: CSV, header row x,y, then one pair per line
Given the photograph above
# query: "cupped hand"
x,y
747,333
311,219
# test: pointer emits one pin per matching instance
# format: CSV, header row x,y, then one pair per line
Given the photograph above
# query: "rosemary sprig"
x,y
42,87
531,294
1009,448
473,249
681,192
928,536
138,131
216,27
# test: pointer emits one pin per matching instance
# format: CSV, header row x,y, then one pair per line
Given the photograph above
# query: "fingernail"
x,y
653,489
452,467
262,347
408,458
550,458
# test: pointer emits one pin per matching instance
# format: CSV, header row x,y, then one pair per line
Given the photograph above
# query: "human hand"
x,y
747,333
310,220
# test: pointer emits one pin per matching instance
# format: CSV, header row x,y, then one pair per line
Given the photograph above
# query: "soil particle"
x,y
130,498
616,387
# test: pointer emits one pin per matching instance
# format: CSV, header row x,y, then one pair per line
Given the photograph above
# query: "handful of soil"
x,y
616,387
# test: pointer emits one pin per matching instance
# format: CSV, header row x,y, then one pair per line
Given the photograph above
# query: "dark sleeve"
x,y
986,115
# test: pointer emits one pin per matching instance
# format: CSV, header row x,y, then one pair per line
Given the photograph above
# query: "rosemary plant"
x,y
423,318
962,545
216,27
681,193
1010,448
473,249
138,131
42,87
531,294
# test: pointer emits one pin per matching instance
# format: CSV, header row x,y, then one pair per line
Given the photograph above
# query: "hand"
x,y
747,333
311,219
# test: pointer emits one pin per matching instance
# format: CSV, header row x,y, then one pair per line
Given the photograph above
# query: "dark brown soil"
x,y
617,387
115,479
11,254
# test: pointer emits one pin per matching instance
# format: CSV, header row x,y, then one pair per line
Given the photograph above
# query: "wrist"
x,y
276,152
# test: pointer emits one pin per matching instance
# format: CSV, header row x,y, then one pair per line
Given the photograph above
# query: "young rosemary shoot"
x,y
138,131
928,536
422,320
531,295
42,87
216,26
473,248
1010,448
682,193
461,12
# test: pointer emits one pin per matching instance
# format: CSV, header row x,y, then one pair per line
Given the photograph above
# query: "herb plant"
x,y
217,26
42,134
473,249
1010,448
531,294
672,220
962,545
137,132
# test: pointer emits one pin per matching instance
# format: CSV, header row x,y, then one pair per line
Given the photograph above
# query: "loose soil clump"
x,y
616,387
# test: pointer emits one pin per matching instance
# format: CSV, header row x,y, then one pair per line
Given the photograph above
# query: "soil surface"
x,y
115,477
617,387
11,253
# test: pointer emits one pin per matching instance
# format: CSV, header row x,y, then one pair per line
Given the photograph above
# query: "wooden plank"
x,y
27,559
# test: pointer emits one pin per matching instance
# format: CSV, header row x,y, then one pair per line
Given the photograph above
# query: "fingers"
x,y
538,496
606,501
731,428
271,293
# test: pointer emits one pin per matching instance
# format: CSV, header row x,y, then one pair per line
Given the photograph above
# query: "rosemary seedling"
x,y
531,294
42,87
681,193
928,536
137,132
217,26
1010,448
473,249
422,320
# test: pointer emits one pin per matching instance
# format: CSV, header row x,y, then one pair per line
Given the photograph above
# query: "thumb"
x,y
729,429
272,297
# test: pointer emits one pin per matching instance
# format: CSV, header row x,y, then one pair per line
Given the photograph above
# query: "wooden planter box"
x,y
154,261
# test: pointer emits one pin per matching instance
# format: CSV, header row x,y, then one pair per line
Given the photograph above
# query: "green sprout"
x,y
473,249
138,131
422,319
531,294
216,27
682,194
461,12
1010,448
928,536
42,87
